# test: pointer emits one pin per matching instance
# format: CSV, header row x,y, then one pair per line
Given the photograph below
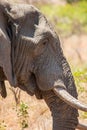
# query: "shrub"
x,y
68,19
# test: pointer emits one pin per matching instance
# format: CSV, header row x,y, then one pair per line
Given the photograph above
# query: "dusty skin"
x,y
36,63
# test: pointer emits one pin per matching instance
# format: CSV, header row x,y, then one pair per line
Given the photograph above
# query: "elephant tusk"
x,y
82,126
70,100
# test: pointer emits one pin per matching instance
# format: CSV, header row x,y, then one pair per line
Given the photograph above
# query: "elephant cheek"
x,y
47,80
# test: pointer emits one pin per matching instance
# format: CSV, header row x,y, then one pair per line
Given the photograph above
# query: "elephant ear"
x,y
5,51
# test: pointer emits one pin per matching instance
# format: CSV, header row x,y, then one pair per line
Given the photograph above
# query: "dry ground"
x,y
39,116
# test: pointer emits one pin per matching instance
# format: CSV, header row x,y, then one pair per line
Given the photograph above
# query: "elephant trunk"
x,y
64,116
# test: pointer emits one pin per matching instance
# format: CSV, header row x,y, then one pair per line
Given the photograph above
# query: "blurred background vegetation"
x,y
68,19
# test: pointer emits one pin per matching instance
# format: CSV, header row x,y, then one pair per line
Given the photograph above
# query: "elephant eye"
x,y
41,46
45,41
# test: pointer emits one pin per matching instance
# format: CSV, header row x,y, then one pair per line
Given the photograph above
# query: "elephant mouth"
x,y
30,85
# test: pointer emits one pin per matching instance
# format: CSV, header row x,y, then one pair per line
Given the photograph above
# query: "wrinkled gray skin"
x,y
30,51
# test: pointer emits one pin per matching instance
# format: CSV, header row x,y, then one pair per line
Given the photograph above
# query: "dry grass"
x,y
39,117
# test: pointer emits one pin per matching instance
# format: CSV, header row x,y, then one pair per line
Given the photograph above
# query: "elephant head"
x,y
39,64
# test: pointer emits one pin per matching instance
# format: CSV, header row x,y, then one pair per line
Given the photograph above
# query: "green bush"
x,y
72,1
80,76
23,115
68,19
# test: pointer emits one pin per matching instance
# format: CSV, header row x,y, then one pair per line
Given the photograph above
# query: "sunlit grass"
x,y
83,115
80,76
2,125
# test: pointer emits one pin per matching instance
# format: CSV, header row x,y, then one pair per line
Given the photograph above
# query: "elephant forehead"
x,y
20,10
31,22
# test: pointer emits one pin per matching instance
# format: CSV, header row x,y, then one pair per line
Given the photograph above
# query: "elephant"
x,y
31,57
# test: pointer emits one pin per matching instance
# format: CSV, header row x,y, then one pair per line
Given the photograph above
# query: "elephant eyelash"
x,y
42,41
45,41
